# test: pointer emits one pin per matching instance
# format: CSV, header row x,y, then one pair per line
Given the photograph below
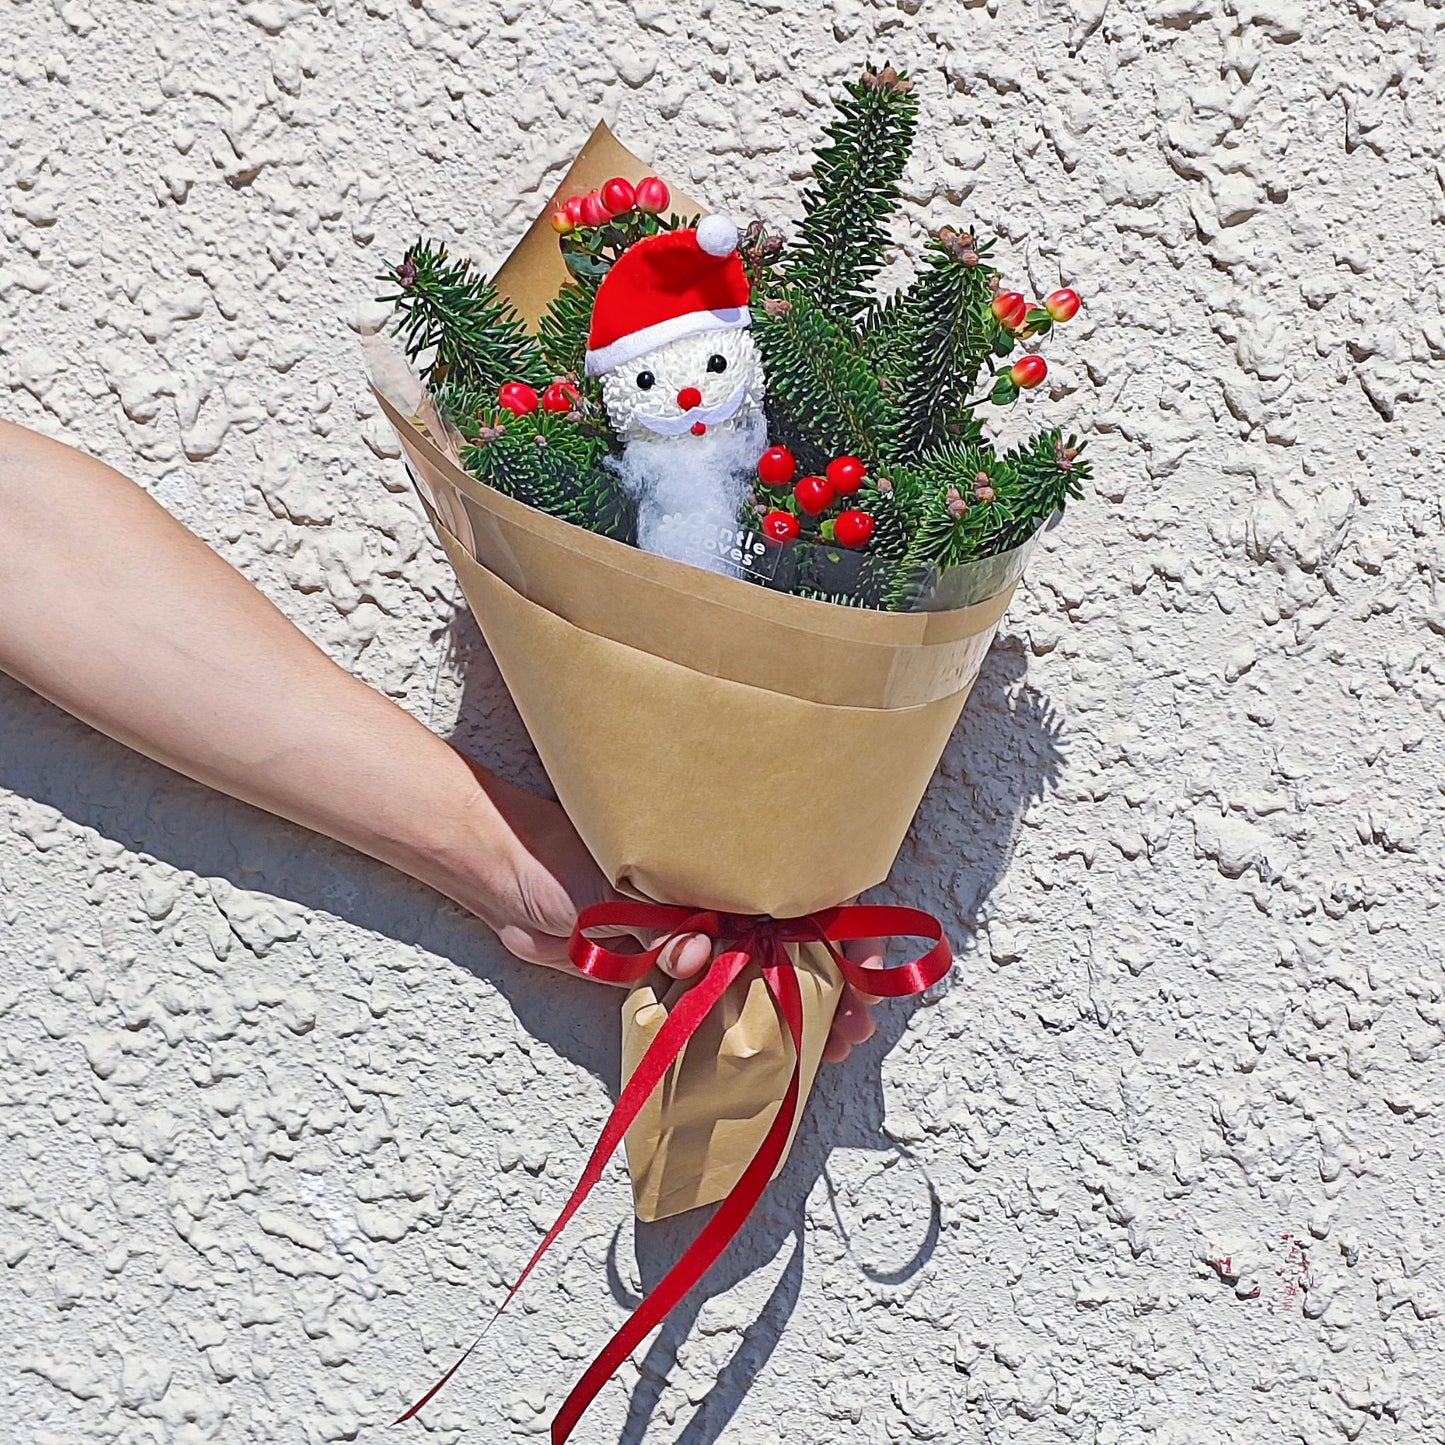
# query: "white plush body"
x,y
688,484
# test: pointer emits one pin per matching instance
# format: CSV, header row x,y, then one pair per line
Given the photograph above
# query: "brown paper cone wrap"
x,y
716,744
716,1104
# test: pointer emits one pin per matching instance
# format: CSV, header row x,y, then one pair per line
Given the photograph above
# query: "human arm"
x,y
117,613
114,611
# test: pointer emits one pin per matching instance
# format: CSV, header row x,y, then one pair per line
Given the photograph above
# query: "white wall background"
x,y
1164,1162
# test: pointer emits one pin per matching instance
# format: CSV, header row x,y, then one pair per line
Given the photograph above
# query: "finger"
x,y
867,953
835,1050
533,946
853,1022
548,949
686,956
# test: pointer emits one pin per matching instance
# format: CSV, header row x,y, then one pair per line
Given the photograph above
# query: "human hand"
x,y
533,884
853,1021
531,889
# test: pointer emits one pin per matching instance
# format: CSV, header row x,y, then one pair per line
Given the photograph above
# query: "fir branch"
x,y
823,396
840,244
562,331
447,306
933,343
547,461
968,503
881,499
469,408
1044,476
885,335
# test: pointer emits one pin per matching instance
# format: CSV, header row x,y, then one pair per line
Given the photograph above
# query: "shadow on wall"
x,y
1008,728
1005,754
51,758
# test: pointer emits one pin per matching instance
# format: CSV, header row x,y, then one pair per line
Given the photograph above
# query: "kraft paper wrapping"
x,y
714,1107
716,744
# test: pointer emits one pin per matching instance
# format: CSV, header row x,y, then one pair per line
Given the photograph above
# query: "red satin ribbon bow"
x,y
754,939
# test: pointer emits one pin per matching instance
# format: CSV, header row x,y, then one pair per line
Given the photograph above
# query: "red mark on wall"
x,y
1293,1273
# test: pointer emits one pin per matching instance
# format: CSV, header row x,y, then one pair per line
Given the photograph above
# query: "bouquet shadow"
x,y
1005,754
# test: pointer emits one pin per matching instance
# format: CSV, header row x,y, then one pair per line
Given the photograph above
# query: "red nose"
x,y
689,397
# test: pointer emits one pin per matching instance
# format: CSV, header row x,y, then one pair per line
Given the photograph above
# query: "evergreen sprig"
x,y
1045,475
562,332
823,395
547,461
446,307
932,345
840,244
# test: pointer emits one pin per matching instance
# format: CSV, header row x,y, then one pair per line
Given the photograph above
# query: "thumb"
x,y
686,956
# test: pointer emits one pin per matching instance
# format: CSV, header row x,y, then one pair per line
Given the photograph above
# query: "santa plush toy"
x,y
682,382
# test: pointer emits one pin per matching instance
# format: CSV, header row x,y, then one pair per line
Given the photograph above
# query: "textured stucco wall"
x,y
1163,1162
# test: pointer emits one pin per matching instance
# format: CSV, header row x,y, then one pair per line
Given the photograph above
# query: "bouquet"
x,y
738,541
753,406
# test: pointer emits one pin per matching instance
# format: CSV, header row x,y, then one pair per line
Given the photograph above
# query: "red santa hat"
x,y
664,287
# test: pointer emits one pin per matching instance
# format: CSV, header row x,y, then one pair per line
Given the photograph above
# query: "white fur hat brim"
x,y
636,344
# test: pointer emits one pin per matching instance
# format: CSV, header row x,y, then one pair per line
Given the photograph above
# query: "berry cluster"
x,y
617,197
1012,311
813,496
521,399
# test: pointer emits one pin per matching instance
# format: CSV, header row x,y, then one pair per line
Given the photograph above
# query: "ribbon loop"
x,y
754,939
832,926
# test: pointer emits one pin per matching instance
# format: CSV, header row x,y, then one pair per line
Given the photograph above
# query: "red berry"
x,y
852,529
652,196
572,208
780,526
517,397
560,396
562,223
1010,308
1063,305
846,474
1028,371
814,495
618,196
594,210
776,467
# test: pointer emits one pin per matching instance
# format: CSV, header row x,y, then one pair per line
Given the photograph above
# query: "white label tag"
x,y
732,549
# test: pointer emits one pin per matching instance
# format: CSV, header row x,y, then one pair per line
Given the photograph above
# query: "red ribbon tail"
x,y
761,937
716,1234
682,1022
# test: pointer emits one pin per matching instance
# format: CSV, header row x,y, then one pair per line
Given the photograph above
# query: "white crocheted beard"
x,y
641,396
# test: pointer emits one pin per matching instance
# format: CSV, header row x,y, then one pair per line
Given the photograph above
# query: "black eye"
x,y
717,363
645,381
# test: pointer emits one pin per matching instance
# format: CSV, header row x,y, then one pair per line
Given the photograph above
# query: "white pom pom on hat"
x,y
717,235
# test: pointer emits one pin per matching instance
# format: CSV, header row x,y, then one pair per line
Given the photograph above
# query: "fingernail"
x,y
671,955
